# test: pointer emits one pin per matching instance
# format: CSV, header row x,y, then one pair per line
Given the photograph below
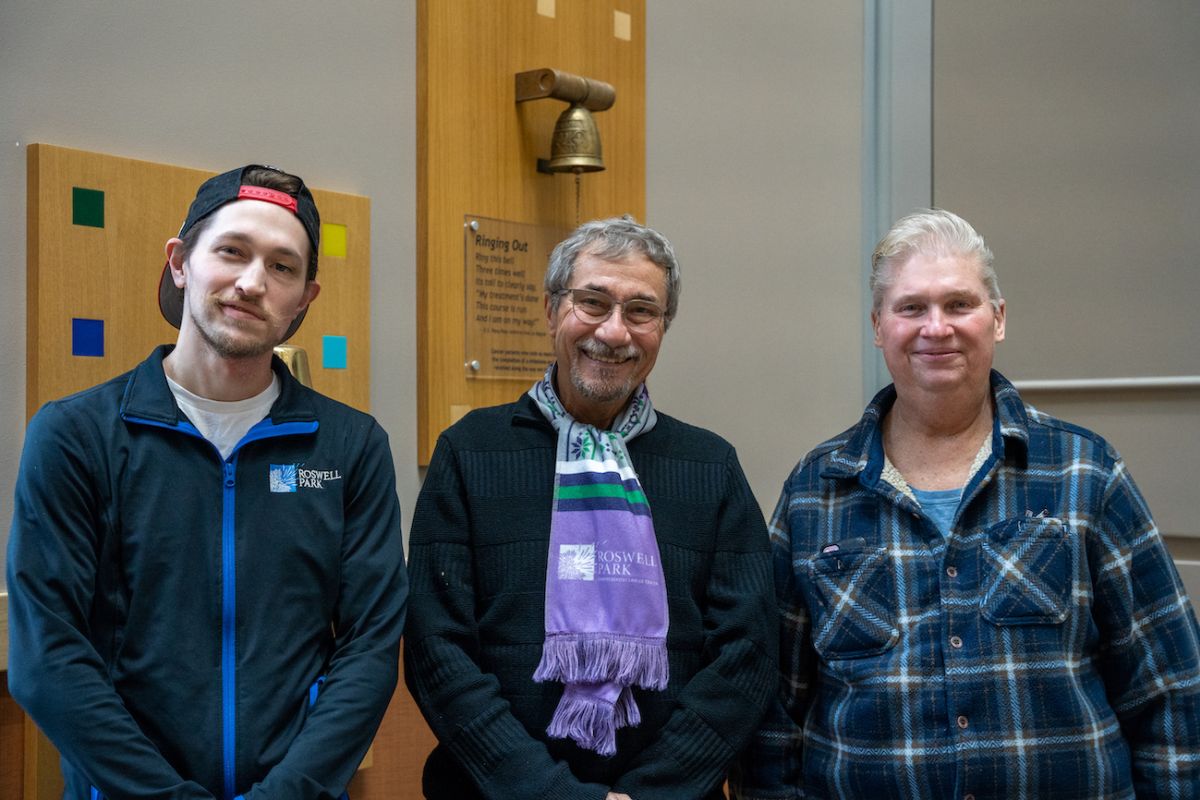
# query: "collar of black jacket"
x,y
147,395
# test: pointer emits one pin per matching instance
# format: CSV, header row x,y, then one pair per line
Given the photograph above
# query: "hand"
x,y
617,796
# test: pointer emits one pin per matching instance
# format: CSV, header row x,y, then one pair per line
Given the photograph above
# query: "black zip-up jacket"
x,y
171,612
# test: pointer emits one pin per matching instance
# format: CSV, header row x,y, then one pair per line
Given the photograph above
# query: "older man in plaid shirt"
x,y
975,600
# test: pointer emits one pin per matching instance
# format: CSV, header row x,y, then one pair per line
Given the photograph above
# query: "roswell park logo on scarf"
x,y
583,562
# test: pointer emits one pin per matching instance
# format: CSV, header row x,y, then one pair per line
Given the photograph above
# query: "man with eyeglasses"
x,y
592,611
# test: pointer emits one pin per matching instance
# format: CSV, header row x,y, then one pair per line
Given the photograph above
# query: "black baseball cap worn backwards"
x,y
226,188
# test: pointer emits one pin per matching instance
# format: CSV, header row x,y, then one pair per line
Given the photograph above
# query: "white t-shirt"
x,y
225,423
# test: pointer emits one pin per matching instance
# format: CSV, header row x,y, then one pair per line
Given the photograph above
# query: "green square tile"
x,y
87,207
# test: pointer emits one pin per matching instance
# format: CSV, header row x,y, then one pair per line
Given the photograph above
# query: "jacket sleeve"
x,y
462,702
771,767
368,621
55,671
722,704
1150,654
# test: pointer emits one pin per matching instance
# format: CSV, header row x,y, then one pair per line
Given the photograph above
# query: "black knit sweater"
x,y
478,554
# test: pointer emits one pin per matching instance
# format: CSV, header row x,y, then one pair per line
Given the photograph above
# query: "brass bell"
x,y
576,143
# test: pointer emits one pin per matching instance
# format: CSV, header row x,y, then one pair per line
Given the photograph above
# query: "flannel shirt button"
x,y
956,641
962,721
952,572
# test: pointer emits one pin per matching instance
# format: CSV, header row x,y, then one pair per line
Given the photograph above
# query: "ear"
x,y
311,290
175,261
1000,317
875,328
551,322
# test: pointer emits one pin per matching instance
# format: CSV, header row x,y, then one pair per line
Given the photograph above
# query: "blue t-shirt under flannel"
x,y
939,506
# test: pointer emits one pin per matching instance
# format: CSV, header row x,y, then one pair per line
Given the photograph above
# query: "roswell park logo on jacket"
x,y
292,477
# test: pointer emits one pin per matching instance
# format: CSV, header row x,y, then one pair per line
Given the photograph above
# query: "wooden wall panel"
x,y
12,746
477,151
111,273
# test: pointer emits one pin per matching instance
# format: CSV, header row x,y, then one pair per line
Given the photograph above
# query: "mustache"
x,y
598,349
253,306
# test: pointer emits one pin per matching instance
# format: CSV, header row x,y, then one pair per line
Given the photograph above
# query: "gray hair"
x,y
930,232
613,239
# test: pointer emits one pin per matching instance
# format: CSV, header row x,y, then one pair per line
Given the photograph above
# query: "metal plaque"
x,y
504,266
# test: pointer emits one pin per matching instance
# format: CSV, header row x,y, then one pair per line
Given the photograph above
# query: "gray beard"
x,y
602,391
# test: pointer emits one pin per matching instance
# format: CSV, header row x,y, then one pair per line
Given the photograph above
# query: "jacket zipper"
x,y
262,430
228,627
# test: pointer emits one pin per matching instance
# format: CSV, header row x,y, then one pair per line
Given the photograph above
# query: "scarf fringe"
x,y
574,658
626,710
592,723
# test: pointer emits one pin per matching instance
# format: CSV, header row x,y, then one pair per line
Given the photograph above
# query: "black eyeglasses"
x,y
592,308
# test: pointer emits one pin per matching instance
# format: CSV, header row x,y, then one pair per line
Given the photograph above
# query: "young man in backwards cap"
x,y
205,569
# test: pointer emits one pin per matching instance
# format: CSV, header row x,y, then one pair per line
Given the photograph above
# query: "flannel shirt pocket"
x,y
854,589
1027,572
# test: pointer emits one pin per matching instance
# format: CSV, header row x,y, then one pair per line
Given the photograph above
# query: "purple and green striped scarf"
x,y
606,600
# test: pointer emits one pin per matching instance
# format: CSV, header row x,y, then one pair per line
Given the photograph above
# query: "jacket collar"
x,y
861,452
148,397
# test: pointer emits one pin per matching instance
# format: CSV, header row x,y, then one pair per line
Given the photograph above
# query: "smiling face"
x,y
936,326
244,280
601,365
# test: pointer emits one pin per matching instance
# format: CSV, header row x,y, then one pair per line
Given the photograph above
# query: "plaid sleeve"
x,y
770,767
1151,656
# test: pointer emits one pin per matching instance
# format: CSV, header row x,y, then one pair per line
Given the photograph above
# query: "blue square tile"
x,y
87,337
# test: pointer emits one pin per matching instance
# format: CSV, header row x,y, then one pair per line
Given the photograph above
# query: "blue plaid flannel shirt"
x,y
1045,649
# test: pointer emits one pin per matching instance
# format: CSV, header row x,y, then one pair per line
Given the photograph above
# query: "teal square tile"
x,y
333,352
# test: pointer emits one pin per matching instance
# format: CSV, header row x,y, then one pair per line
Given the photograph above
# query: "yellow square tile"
x,y
333,240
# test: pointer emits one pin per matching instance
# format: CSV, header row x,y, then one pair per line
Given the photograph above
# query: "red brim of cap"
x,y
170,303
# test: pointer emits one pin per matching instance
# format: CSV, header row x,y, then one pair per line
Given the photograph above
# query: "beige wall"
x,y
754,168
754,137
753,140
1068,133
